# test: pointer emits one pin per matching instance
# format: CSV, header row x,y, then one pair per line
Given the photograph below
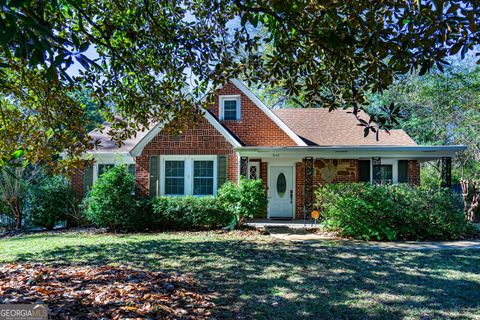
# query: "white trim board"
x,y
268,112
188,175
221,106
111,158
137,150
214,122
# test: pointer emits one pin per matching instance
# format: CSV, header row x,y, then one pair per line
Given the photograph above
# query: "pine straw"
x,y
103,292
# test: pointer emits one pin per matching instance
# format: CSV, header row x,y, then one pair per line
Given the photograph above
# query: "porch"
x,y
291,174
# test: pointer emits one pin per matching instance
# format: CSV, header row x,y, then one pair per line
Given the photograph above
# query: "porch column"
x,y
376,162
243,166
308,196
446,172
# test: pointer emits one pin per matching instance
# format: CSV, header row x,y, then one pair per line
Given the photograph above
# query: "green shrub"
x,y
189,212
245,200
391,212
111,202
50,201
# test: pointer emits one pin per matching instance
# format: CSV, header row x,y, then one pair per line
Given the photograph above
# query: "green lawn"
x,y
254,277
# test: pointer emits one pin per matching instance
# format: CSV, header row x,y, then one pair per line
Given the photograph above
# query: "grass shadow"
x,y
277,280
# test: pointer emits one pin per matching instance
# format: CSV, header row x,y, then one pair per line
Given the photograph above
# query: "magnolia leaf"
x,y
17,154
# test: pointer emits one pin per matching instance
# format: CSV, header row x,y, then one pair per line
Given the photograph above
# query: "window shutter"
x,y
131,169
221,170
154,176
402,171
87,179
364,170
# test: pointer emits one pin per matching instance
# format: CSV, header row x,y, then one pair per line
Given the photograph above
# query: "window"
x,y
281,185
174,177
383,174
101,168
188,175
202,177
254,170
230,107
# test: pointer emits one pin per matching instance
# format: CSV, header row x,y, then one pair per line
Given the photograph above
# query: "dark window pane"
x,y
203,177
202,186
174,177
384,174
174,186
253,173
174,168
230,109
203,168
281,185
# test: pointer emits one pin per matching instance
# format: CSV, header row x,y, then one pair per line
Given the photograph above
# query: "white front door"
x,y
281,197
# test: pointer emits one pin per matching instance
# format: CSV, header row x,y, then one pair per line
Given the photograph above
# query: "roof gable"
x,y
136,144
268,112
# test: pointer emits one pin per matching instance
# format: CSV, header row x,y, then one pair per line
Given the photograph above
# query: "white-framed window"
x,y
174,179
230,107
254,170
101,168
188,175
387,172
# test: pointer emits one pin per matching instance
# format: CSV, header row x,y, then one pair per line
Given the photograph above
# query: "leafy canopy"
x,y
154,60
441,108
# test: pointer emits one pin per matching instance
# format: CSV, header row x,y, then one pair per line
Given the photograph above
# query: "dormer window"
x,y
229,107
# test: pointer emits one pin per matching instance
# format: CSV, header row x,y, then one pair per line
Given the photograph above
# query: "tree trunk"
x,y
18,213
475,202
470,206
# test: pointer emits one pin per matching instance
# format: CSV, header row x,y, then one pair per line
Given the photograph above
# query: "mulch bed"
x,y
106,292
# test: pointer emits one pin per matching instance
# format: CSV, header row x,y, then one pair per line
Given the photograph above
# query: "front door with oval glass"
x,y
281,197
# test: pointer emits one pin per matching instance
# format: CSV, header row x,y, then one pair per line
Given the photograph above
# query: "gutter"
x,y
424,153
294,149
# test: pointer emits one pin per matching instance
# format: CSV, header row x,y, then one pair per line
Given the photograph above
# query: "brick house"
x,y
291,150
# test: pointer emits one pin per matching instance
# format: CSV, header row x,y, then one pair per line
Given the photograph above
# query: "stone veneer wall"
x,y
325,171
335,171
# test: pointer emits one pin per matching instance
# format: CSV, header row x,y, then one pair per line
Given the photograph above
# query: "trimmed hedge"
x,y
391,212
189,212
111,202
231,206
245,200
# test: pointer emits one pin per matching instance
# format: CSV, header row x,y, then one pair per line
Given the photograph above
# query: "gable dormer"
x,y
239,110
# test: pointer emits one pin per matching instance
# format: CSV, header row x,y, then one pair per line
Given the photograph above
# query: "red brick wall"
x,y
264,173
254,128
414,172
203,139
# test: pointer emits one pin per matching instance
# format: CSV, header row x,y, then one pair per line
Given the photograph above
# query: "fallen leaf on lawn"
x,y
96,292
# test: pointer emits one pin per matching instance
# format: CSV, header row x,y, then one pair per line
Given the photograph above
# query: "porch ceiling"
x,y
352,152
